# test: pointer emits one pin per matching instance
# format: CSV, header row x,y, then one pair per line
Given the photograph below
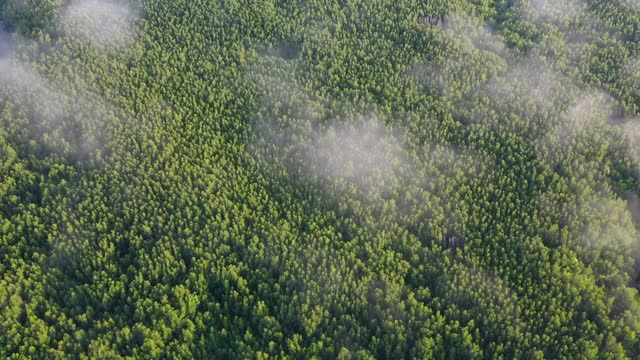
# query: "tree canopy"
x,y
319,179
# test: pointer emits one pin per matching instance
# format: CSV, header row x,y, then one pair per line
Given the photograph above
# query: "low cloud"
x,y
532,77
633,68
57,118
634,4
106,24
364,154
530,85
23,84
584,123
479,54
6,44
474,33
550,10
630,142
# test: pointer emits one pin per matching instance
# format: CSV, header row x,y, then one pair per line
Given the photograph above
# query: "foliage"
x,y
320,179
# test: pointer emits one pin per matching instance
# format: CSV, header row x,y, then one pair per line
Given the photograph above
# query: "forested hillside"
x,y
351,179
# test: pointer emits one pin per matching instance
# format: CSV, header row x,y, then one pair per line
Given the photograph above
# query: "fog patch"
x,y
479,54
286,117
613,217
597,225
630,136
581,132
578,45
530,85
22,83
633,68
591,219
603,227
58,120
552,10
592,107
363,154
300,137
502,94
474,33
6,43
633,206
106,24
634,4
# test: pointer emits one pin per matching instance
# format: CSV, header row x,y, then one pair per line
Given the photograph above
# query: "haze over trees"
x,y
319,179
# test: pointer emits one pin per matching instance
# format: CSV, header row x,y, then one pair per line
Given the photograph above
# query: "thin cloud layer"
x,y
57,119
21,83
365,154
6,45
630,130
546,10
475,33
585,122
105,24
531,82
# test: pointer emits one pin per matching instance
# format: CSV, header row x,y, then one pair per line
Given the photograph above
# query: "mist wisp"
x,y
20,82
474,34
106,24
360,153
6,44
550,10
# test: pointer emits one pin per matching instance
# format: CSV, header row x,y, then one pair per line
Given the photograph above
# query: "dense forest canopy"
x,y
320,179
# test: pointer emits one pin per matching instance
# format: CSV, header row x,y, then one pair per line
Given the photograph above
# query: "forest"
x,y
319,179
